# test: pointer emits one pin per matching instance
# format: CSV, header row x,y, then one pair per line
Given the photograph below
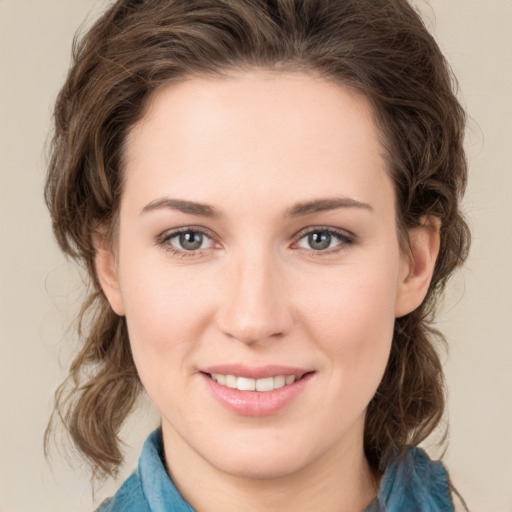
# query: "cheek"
x,y
351,315
165,312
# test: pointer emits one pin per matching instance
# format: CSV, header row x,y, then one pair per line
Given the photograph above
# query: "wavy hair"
x,y
380,48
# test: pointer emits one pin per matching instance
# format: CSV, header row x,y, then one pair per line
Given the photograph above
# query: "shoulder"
x,y
129,497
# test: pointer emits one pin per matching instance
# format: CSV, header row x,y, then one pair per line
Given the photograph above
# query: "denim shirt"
x,y
412,483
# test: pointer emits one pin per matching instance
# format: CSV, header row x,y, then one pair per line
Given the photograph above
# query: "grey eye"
x,y
190,240
319,240
322,239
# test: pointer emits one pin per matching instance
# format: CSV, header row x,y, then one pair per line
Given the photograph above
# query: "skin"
x,y
253,145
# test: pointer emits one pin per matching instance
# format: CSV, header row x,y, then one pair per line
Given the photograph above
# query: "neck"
x,y
338,481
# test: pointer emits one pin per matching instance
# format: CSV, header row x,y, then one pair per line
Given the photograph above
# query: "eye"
x,y
322,239
186,240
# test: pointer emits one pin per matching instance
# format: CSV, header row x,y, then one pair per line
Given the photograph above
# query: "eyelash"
x,y
345,240
164,238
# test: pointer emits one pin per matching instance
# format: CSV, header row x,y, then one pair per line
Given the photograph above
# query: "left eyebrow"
x,y
321,205
190,207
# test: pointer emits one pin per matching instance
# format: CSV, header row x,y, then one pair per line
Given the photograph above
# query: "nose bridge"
x,y
255,302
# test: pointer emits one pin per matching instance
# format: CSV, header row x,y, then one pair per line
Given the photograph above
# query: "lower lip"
x,y
256,403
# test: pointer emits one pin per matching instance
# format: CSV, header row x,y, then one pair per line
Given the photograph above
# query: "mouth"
x,y
265,384
250,391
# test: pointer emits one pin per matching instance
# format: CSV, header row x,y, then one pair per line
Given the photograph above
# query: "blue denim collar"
x,y
160,492
414,483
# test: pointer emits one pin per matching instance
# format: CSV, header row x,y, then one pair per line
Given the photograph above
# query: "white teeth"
x,y
247,384
280,381
265,384
244,384
231,381
221,379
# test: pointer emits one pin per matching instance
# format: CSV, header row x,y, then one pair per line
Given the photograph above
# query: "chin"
x,y
261,460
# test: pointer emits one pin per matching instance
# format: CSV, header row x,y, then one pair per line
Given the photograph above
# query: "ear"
x,y
418,265
107,272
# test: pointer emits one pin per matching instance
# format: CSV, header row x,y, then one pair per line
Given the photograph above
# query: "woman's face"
x,y
258,246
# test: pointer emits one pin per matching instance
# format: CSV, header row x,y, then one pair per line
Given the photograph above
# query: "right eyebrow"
x,y
190,207
325,204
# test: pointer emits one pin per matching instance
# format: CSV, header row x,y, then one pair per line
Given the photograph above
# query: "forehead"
x,y
258,133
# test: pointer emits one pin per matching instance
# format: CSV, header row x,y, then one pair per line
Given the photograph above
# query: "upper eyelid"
x,y
329,229
171,233
163,240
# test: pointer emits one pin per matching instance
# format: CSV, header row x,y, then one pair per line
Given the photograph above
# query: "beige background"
x,y
39,292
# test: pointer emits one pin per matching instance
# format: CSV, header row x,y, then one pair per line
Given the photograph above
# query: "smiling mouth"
x,y
249,384
256,391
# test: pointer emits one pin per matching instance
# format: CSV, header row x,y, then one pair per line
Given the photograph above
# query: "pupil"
x,y
319,240
191,241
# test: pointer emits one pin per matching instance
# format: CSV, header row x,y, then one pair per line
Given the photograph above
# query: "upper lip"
x,y
255,372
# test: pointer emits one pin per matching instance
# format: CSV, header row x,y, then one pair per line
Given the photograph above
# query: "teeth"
x,y
280,381
231,381
289,379
265,384
246,384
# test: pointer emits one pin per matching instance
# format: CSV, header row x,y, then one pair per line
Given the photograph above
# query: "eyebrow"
x,y
298,210
321,205
190,207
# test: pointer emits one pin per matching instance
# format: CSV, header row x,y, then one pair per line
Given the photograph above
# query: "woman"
x,y
266,197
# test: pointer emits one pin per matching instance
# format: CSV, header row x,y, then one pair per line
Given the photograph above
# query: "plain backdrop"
x,y
40,292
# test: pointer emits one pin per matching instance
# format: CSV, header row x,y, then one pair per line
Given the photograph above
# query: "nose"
x,y
255,303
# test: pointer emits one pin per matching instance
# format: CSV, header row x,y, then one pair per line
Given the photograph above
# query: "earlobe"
x,y
106,270
418,266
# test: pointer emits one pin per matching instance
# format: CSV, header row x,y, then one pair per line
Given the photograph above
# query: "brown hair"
x,y
379,47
